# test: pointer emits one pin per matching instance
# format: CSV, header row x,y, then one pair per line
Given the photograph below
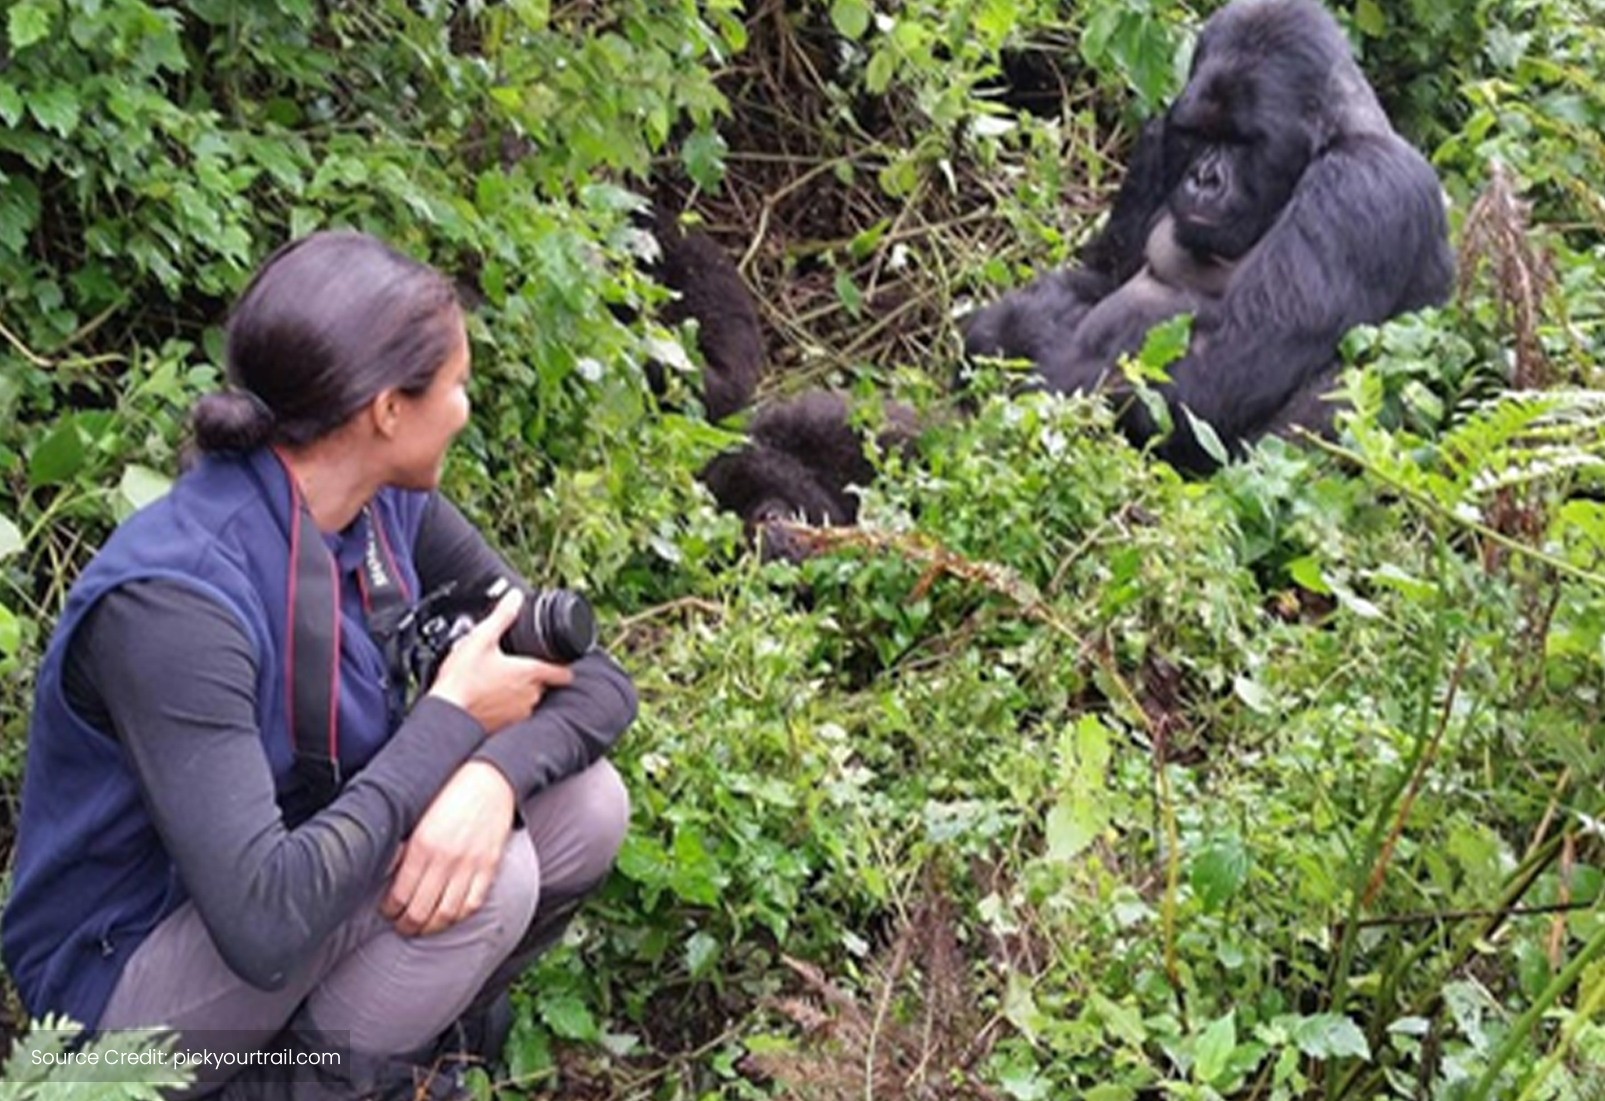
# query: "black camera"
x,y
555,625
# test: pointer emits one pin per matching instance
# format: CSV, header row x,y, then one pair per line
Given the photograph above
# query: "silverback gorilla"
x,y
1273,200
1277,160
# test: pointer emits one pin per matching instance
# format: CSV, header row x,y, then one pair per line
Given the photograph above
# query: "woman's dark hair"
x,y
330,321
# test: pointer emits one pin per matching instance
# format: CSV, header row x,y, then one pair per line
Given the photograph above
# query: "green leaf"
x,y
1219,872
703,153
10,632
847,291
11,540
11,105
1020,1007
30,22
1306,574
1330,1036
1082,810
59,457
879,72
1207,438
851,18
56,108
568,1017
1213,1053
141,485
1164,344
701,953
1370,18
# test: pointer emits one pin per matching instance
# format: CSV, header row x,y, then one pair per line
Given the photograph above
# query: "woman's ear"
x,y
385,412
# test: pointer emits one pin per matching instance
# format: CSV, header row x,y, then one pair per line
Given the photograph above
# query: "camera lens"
x,y
554,625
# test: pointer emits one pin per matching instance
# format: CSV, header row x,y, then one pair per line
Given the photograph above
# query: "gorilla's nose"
x,y
1207,179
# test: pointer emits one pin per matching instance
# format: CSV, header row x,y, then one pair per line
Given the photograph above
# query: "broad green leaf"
x,y
1330,1036
1219,872
59,457
1306,574
851,18
141,485
1213,1054
703,153
568,1016
1370,18
1020,1006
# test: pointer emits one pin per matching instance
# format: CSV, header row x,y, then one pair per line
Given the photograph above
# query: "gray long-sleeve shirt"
x,y
170,674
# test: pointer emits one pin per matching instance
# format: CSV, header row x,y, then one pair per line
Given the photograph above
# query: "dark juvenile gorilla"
x,y
1277,160
801,459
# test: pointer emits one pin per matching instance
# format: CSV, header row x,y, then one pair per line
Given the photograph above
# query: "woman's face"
x,y
429,421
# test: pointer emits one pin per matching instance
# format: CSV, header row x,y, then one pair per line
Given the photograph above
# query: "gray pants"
x,y
393,994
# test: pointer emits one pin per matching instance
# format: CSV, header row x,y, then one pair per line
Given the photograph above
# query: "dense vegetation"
x,y
1062,777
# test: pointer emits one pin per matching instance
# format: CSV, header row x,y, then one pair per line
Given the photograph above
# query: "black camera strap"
x,y
312,665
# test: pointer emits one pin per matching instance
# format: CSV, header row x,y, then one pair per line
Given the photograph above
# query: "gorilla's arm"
x,y
1032,321
1363,239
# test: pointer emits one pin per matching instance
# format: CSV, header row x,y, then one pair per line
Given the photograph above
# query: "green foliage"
x,y
1061,776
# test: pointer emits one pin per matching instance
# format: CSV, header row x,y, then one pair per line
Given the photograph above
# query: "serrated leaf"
x,y
1164,344
56,108
29,22
1331,1036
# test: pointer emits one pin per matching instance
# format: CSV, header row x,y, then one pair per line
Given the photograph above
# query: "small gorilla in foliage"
x,y
1277,164
801,460
709,289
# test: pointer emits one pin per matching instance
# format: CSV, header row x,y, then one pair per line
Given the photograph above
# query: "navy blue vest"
x,y
91,878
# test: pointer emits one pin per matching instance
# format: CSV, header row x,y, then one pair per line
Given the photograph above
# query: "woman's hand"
x,y
447,866
494,687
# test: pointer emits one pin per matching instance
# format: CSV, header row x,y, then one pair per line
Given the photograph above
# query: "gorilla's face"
x,y
1264,89
1239,159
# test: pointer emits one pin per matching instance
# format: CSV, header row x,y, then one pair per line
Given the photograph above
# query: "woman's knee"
x,y
578,826
510,903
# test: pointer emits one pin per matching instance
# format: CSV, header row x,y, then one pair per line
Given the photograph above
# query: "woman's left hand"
x,y
445,869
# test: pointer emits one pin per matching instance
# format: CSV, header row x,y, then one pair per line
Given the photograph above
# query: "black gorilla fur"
x,y
710,290
1278,157
801,460
1173,281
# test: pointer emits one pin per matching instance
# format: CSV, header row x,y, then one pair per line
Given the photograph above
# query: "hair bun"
x,y
231,420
